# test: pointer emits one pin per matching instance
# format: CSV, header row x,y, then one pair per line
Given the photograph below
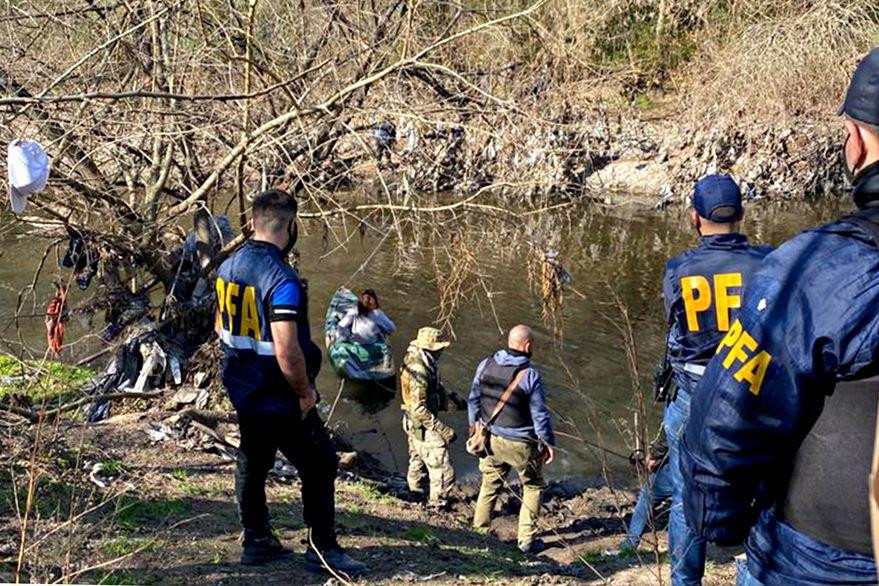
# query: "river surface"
x,y
616,258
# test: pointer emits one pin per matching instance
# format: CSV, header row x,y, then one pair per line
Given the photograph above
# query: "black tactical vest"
x,y
493,382
827,493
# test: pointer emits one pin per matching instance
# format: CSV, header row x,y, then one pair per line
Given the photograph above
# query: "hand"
x,y
548,454
307,402
447,433
651,463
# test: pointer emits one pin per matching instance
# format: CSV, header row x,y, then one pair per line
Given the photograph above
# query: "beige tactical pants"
x,y
429,461
524,458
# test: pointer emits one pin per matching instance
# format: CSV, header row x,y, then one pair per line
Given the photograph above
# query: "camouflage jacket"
x,y
423,393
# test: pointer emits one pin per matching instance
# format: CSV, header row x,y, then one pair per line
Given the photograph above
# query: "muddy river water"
x,y
616,258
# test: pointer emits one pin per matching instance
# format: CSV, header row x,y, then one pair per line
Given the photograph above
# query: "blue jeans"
x,y
657,489
686,549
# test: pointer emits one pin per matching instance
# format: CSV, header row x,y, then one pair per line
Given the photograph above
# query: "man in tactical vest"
x,y
778,449
424,396
521,434
702,288
269,368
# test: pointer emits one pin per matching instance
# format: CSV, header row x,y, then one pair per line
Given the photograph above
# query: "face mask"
x,y
294,234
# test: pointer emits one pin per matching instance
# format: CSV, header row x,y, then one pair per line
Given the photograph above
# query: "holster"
x,y
414,428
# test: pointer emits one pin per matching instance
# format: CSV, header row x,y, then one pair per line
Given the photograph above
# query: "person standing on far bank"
x,y
269,368
521,433
778,451
703,289
424,396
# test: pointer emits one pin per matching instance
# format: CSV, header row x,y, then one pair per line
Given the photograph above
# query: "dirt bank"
x,y
162,510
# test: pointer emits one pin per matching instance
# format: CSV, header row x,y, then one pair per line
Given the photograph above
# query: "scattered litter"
x,y
185,396
410,576
201,401
284,471
97,478
159,432
200,379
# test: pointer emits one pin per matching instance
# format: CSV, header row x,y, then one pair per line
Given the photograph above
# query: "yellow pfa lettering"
x,y
754,371
221,301
695,304
723,300
232,302
249,315
741,346
696,293
731,336
737,350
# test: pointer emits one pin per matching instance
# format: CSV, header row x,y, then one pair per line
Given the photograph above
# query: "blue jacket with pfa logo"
x,y
703,290
256,286
809,322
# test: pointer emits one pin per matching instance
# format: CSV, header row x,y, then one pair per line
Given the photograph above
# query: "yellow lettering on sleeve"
x,y
695,304
754,371
249,315
723,301
731,336
737,352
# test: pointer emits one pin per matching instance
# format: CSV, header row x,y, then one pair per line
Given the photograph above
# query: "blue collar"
x,y
266,246
725,241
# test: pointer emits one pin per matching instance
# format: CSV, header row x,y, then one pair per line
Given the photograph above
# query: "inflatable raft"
x,y
367,362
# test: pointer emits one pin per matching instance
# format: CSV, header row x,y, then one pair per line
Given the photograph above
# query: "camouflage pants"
x,y
429,460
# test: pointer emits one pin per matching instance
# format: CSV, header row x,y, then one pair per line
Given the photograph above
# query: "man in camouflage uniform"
x,y
423,398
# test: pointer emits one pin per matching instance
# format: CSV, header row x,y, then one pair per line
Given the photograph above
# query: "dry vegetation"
x,y
152,110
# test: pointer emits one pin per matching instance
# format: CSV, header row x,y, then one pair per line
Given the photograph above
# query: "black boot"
x,y
260,547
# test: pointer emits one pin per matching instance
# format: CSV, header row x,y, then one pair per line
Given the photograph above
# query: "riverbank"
x,y
147,498
609,154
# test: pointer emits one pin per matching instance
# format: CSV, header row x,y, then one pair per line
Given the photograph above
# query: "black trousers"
x,y
308,447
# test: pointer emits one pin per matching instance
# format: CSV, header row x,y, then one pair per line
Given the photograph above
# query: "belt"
x,y
696,369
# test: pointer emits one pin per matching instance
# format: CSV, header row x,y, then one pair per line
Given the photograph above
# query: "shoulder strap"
x,y
517,378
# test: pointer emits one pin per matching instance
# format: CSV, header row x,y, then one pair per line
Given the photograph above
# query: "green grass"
x,y
422,534
132,514
40,380
123,545
371,493
114,467
186,485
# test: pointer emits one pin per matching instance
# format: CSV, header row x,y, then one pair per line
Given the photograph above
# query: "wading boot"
x,y
261,547
336,559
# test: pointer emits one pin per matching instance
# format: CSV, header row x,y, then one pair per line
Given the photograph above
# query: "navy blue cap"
x,y
862,98
717,198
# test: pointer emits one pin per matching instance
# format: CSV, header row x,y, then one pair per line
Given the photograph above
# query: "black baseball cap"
x,y
717,198
862,98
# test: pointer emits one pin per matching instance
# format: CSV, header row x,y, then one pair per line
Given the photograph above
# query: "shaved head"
x,y
519,337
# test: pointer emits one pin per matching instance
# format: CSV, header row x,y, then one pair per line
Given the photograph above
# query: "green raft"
x,y
368,362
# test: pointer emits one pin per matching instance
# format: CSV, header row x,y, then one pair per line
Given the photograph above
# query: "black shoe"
x,y
262,549
532,547
336,559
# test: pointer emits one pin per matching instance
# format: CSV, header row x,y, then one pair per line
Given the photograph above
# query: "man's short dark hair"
x,y
272,210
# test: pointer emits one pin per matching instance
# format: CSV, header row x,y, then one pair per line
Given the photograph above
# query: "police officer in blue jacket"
x,y
703,289
778,449
269,369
